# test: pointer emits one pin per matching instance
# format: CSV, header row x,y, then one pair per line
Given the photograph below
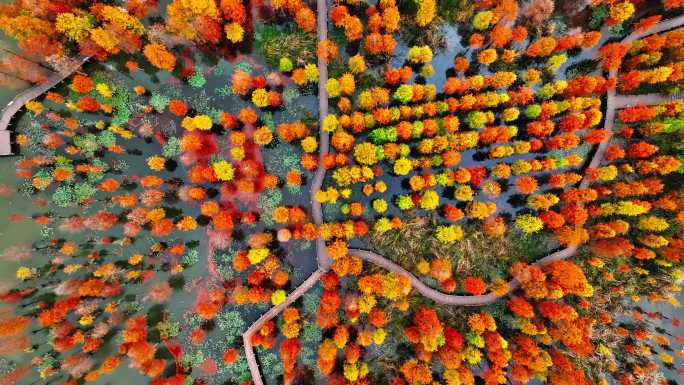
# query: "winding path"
x,y
614,102
22,98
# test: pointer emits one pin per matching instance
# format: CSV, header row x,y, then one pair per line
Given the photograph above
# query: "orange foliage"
x,y
160,57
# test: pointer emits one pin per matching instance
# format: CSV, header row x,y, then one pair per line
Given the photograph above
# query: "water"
x,y
278,160
297,256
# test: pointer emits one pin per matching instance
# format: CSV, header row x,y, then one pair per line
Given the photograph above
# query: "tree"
x,y
160,57
536,12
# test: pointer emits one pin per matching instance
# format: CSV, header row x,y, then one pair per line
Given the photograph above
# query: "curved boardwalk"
x,y
448,299
614,102
18,102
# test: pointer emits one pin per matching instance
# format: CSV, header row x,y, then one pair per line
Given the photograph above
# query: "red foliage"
x,y
81,84
575,214
520,307
596,136
637,113
611,55
178,107
616,247
526,184
87,103
552,219
474,285
588,85
641,150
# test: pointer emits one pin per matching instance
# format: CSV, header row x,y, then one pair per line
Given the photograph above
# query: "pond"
x,y
207,92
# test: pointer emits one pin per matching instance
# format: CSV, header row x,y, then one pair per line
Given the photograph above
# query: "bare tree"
x,y
536,12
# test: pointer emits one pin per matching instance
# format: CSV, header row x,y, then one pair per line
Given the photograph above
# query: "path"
x,y
614,102
322,257
448,299
274,311
22,98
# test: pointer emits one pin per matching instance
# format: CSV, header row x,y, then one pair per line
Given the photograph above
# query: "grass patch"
x,y
277,41
477,254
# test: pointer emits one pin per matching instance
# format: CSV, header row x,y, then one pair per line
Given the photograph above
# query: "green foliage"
x,y
48,361
225,271
171,148
267,202
617,30
47,232
120,165
33,131
224,91
477,254
239,370
311,300
673,125
95,177
63,196
43,174
214,114
290,94
159,101
101,164
383,135
189,360
270,364
598,15
197,80
83,191
267,118
282,159
285,64
231,324
88,143
106,139
194,321
671,139
476,119
191,257
533,111
404,93
201,102
132,308
168,329
307,355
244,66
121,101
311,333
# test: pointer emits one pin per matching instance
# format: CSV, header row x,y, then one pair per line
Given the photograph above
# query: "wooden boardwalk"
x,y
22,98
614,103
322,257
